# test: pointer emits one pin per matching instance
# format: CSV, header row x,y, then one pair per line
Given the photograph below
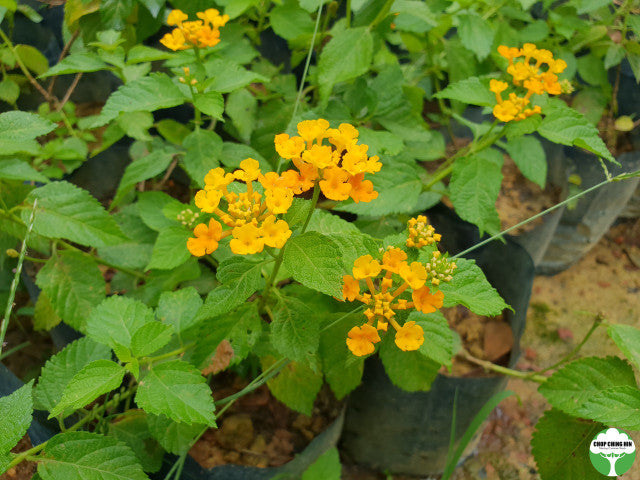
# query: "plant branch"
x,y
500,369
70,90
63,54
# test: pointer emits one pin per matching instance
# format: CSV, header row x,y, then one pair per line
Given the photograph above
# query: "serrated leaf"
x,y
570,387
314,261
142,169
149,93
179,309
116,320
152,205
142,53
176,389
296,385
175,437
411,371
474,91
170,250
529,156
95,379
61,368
210,103
326,467
474,188
325,222
203,149
88,456
438,337
413,16
229,76
18,126
14,169
352,246
290,21
566,126
627,338
561,447
522,127
66,211
476,34
469,287
44,316
132,430
75,63
74,285
347,55
619,406
16,409
149,338
295,331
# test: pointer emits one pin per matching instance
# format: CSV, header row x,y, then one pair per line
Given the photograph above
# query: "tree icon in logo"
x,y
612,452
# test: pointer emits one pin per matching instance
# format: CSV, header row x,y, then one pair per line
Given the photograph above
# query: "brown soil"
x,y
260,431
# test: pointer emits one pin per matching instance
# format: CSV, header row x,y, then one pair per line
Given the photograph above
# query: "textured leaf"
x,y
326,223
411,371
326,467
142,169
352,246
175,437
413,16
295,331
88,456
347,55
44,316
66,211
95,379
296,385
17,126
152,205
16,409
476,34
627,339
142,53
116,320
14,169
149,338
148,93
570,387
9,90
474,91
314,261
170,250
234,77
62,367
76,62
176,389
241,108
203,152
474,187
530,158
32,58
132,430
179,309
619,406
74,285
290,21
469,287
561,447
438,338
210,103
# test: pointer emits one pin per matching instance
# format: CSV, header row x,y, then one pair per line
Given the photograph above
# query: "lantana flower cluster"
x,y
250,215
195,33
536,72
338,168
387,282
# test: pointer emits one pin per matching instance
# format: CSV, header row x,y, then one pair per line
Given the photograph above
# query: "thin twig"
x,y
168,173
70,90
63,54
500,369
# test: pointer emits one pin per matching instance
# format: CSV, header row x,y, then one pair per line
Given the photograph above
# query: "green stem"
x,y
164,356
382,14
314,202
347,17
135,273
502,370
13,350
4,325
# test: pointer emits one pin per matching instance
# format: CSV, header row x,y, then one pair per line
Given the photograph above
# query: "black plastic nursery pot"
x,y
401,432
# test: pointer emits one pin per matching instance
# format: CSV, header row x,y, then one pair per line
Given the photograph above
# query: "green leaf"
x,y
75,63
570,387
9,91
325,222
474,188
242,107
411,371
438,338
229,76
142,53
530,158
33,59
44,316
170,250
413,16
474,91
74,286
296,385
615,54
290,21
152,205
136,124
210,103
352,246
132,430
469,287
203,149
560,446
88,456
14,169
347,55
149,338
175,437
314,261
142,169
149,93
627,338
116,320
16,409
173,131
176,389
566,126
179,309
62,367
66,211
619,406
17,126
326,467
476,34
591,69
295,331
522,127
95,379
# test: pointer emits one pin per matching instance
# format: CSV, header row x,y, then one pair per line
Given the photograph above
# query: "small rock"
x,y
565,334
530,354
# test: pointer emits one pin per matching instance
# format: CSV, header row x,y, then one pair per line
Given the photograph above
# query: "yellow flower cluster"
x,y
421,233
526,73
250,215
196,33
338,168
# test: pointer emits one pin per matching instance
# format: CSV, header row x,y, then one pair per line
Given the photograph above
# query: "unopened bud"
x,y
182,80
624,123
13,253
194,81
186,71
